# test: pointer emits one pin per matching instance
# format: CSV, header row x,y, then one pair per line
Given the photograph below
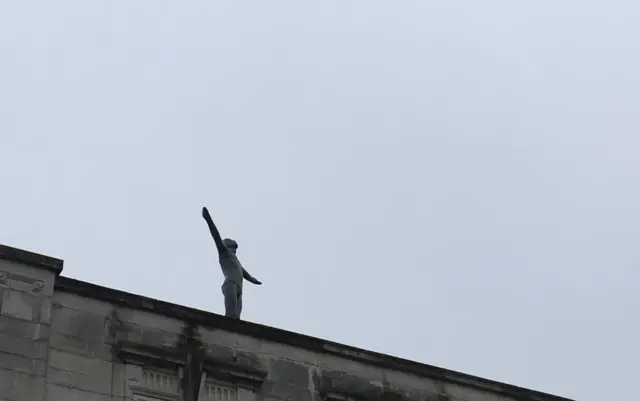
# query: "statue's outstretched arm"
x,y
222,249
250,278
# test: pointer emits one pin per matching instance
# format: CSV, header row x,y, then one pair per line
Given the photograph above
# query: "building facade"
x,y
66,340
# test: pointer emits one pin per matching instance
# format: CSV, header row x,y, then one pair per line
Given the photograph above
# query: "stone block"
x,y
57,392
80,372
23,347
119,380
20,305
125,332
19,386
159,338
227,339
78,363
284,391
18,327
286,372
45,311
26,278
151,320
79,324
284,351
84,382
351,367
220,354
251,362
22,364
331,381
79,303
79,346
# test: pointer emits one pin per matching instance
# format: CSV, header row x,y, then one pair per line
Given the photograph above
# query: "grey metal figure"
x,y
233,271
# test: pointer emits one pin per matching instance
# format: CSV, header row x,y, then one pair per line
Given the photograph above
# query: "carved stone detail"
x,y
237,377
151,384
20,282
212,391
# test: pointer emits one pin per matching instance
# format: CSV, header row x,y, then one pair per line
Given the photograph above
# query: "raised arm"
x,y
222,249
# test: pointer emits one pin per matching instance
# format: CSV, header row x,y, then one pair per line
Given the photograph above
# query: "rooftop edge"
x,y
32,259
213,320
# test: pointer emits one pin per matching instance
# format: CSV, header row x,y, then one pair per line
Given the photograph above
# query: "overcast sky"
x,y
453,182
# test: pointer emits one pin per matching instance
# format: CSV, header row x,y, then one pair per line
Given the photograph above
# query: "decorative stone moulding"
x,y
154,374
239,376
21,283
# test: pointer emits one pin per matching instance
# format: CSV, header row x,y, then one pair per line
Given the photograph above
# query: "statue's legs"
x,y
232,299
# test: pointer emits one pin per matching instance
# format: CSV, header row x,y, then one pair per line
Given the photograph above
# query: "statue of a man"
x,y
233,271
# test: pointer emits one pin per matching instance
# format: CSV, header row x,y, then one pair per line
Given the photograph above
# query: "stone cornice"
x,y
138,354
235,374
212,320
30,258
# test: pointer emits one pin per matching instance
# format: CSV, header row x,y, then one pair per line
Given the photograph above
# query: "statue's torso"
x,y
232,269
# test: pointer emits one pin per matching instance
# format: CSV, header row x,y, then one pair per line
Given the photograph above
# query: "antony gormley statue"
x,y
231,268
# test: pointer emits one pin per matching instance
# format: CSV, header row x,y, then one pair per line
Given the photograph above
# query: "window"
x,y
151,384
211,391
159,374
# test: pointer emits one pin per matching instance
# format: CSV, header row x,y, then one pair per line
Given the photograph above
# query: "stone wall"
x,y
87,343
26,289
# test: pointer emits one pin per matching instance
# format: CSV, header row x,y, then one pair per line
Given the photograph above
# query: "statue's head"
x,y
231,245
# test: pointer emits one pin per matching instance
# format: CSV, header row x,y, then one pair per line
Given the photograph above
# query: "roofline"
x,y
32,259
213,320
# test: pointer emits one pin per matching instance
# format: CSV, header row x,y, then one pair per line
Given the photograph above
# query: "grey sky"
x,y
451,182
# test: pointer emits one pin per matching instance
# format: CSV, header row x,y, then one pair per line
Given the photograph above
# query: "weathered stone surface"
x,y
57,392
412,382
285,391
286,372
23,347
85,382
82,304
118,331
22,364
329,381
150,320
79,324
45,308
287,381
25,279
80,346
119,380
20,305
230,356
159,338
19,386
250,361
226,339
18,327
78,363
283,351
220,353
369,372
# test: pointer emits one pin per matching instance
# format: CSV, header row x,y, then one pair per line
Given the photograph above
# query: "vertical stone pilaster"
x,y
26,288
